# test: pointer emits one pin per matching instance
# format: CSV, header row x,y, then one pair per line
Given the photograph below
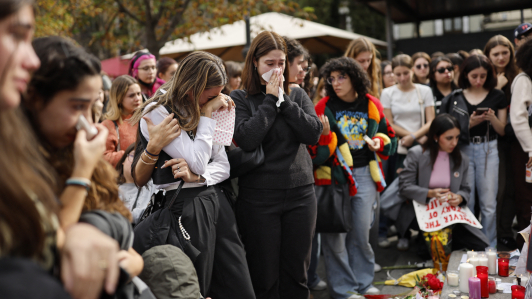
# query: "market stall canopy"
x,y
228,41
405,11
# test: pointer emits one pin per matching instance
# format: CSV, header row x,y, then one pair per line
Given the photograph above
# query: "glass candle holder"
x,y
504,264
452,278
492,285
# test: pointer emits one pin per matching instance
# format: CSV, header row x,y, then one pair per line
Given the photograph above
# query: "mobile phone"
x,y
481,110
83,124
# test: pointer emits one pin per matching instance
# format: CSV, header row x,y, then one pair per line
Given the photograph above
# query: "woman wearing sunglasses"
x,y
441,79
421,68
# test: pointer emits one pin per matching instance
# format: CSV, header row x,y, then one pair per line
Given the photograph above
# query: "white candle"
x,y
466,271
452,279
475,262
471,254
483,260
492,260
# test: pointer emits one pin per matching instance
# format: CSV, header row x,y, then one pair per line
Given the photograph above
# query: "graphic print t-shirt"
x,y
352,120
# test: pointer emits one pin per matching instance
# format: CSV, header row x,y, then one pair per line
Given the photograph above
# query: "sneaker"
x,y
392,231
322,285
403,244
508,242
372,291
377,268
356,296
383,242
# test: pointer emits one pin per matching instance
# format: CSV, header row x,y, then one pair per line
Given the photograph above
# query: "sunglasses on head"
x,y
442,69
423,65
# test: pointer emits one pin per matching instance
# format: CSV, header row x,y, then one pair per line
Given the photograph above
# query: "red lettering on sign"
x,y
437,224
445,218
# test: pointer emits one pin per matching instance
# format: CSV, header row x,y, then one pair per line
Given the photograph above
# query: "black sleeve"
x,y
500,100
444,108
250,130
303,120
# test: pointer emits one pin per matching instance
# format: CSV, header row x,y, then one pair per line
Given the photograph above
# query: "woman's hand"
x,y
376,146
180,170
439,193
89,262
162,134
326,126
272,87
490,115
455,199
501,80
422,139
220,103
407,140
130,261
88,153
476,119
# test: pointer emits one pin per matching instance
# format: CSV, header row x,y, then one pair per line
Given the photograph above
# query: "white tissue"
x,y
266,76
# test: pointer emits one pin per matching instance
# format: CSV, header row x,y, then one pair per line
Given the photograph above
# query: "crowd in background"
x,y
117,187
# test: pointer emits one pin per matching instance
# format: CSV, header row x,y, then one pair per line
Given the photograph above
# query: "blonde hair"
x,y
116,97
196,73
361,45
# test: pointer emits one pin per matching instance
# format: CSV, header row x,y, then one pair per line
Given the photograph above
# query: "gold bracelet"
x,y
142,160
154,160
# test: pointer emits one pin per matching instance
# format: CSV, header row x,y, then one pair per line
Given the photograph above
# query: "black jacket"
x,y
284,134
455,105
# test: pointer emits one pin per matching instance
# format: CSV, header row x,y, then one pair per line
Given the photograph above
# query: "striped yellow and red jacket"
x,y
326,161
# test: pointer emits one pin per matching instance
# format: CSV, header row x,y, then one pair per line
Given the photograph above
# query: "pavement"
x,y
385,257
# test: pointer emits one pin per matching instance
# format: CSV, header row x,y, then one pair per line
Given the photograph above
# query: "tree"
x,y
163,20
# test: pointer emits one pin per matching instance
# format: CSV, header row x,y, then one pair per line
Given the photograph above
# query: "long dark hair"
x,y
27,200
523,57
432,70
63,67
475,61
441,124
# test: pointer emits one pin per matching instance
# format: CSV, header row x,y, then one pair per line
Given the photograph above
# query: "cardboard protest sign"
x,y
435,216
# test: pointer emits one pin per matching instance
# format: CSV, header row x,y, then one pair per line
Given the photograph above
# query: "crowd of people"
x,y
120,189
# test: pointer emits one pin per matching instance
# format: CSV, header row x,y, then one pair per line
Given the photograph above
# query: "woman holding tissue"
x,y
192,97
346,155
276,208
439,169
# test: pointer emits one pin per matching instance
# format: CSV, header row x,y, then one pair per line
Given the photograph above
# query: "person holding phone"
x,y
481,111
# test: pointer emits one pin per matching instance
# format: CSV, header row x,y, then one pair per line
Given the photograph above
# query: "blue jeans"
x,y
349,258
313,278
484,177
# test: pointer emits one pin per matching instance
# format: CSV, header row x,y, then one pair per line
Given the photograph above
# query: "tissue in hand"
x,y
266,76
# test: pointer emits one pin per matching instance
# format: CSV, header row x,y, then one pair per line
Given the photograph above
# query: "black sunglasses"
x,y
423,65
442,69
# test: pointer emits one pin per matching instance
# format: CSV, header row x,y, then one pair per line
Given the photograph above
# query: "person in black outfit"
x,y
441,79
276,207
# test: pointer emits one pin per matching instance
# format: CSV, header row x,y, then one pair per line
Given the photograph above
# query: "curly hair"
x,y
347,66
523,57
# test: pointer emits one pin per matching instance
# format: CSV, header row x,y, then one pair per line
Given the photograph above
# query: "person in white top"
x,y
403,105
520,111
187,102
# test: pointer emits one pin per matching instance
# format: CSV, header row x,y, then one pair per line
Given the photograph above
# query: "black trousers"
x,y
277,228
209,220
506,194
523,190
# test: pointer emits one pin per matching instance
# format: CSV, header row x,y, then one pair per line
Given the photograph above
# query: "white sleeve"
x,y
196,152
218,170
386,98
521,99
428,98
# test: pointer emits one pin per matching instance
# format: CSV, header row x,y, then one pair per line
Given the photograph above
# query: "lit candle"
x,y
504,267
492,285
482,274
475,262
518,292
471,254
452,278
483,260
466,271
492,260
474,288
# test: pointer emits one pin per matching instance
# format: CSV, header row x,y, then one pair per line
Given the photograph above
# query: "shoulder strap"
x,y
117,135
421,106
176,194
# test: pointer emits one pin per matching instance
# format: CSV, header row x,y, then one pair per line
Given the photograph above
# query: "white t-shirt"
x,y
405,105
